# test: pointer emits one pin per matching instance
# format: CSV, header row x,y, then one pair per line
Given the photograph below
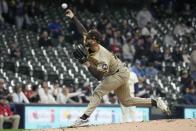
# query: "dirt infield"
x,y
156,125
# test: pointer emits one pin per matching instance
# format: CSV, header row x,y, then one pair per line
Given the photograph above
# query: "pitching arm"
x,y
80,27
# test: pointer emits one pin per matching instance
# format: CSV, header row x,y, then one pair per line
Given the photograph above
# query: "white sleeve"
x,y
42,95
74,94
61,99
40,91
58,99
24,97
51,99
135,79
15,98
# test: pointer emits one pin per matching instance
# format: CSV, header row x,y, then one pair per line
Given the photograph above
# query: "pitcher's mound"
x,y
156,125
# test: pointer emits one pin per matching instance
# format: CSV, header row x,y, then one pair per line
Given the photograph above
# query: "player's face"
x,y
89,42
92,44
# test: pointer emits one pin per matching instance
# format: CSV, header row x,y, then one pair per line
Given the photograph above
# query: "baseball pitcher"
x,y
108,69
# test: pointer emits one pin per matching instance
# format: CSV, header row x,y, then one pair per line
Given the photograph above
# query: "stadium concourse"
x,y
154,39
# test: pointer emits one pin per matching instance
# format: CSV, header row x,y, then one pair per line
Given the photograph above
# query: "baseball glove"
x,y
80,53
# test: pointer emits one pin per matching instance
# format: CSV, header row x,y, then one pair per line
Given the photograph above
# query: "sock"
x,y
84,117
154,102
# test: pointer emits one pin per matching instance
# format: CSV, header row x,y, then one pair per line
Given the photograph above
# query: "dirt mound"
x,y
156,125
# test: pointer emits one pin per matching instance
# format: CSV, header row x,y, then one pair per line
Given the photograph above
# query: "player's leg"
x,y
1,121
125,98
109,84
15,120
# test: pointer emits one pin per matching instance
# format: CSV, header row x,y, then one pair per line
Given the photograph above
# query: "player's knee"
x,y
97,95
16,117
95,98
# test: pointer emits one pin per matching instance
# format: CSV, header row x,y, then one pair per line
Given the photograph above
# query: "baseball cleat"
x,y
79,122
163,106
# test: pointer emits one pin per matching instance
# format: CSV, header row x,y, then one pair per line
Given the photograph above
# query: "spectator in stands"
x,y
190,32
55,28
140,51
35,9
45,94
44,40
143,17
34,98
168,55
19,14
185,79
73,89
16,51
27,21
148,41
26,89
11,11
193,63
150,71
170,7
56,89
185,56
2,24
116,43
106,37
128,51
187,10
18,95
189,28
188,88
1,19
60,42
87,90
139,70
32,9
148,30
111,98
180,29
3,91
4,9
169,40
177,54
64,96
156,57
142,89
6,115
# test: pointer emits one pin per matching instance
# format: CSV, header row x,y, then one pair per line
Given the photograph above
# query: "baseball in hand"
x,y
64,5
